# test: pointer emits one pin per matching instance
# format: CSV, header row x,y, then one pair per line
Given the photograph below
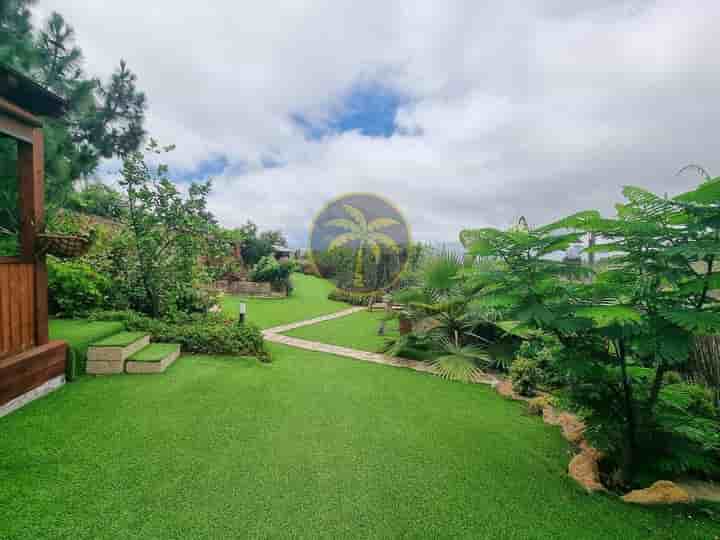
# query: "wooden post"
x,y
31,177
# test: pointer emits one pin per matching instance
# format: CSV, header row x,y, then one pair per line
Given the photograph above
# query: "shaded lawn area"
x,y
357,331
80,333
311,446
308,300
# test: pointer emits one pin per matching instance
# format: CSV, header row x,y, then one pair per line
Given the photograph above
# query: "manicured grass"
x,y
310,446
122,339
357,331
308,300
155,352
80,333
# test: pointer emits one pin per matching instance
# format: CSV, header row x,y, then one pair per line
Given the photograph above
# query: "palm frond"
x,y
341,240
384,239
341,223
381,223
460,362
357,216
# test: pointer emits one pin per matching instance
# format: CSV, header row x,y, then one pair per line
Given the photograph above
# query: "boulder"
x,y
550,416
661,492
572,428
504,388
584,469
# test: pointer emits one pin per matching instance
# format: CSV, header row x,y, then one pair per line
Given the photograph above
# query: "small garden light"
x,y
243,311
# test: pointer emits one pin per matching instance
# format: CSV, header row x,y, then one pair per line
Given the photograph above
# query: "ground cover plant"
x,y
212,333
228,447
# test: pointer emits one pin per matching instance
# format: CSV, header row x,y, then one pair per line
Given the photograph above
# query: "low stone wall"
x,y
248,288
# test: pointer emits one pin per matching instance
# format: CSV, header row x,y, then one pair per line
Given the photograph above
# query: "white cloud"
x,y
534,108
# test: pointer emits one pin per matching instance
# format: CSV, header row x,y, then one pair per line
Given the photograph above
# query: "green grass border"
x,y
121,339
155,352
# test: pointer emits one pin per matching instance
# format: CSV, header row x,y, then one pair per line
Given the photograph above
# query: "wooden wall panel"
x,y
22,372
17,308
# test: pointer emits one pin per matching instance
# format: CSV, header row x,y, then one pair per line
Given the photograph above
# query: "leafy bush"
x,y
641,312
207,334
9,245
545,353
75,287
268,269
337,264
680,435
278,274
308,268
525,376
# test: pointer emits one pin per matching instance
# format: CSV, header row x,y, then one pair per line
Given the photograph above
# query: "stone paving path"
x,y
274,335
308,322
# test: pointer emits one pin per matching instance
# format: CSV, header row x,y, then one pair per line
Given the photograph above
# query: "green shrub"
x,y
9,245
546,354
680,436
308,268
525,376
269,270
197,333
354,298
75,287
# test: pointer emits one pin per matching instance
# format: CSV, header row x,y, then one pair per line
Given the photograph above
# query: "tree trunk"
x,y
657,384
358,281
630,446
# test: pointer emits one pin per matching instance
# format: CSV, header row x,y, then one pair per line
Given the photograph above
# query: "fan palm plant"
x,y
460,362
367,235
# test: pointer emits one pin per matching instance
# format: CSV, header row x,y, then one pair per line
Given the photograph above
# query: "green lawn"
x,y
122,339
357,331
311,446
308,300
155,352
80,333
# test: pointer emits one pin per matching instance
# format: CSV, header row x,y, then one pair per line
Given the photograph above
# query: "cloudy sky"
x,y
461,114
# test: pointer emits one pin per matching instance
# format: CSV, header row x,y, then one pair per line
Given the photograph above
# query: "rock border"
x,y
584,467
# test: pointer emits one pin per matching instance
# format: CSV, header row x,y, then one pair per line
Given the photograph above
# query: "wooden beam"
x,y
15,129
19,114
31,190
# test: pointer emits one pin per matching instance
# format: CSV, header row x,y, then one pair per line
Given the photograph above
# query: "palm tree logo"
x,y
367,235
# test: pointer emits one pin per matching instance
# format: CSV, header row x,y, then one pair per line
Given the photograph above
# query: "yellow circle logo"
x,y
360,241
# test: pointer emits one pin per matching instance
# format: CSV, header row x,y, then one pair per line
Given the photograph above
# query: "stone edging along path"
x,y
583,468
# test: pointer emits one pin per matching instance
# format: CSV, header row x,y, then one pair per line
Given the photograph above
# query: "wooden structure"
x,y
28,359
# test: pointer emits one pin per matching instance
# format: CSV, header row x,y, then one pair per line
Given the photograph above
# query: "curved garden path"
x,y
275,335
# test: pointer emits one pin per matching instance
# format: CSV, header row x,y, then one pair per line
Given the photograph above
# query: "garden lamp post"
x,y
243,312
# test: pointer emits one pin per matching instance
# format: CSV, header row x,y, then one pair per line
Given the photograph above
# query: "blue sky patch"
x,y
367,108
208,168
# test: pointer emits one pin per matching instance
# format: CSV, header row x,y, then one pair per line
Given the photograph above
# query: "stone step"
x,y
108,355
154,358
